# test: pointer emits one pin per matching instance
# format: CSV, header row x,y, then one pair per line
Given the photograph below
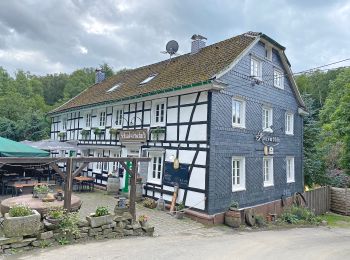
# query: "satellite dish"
x,y
172,47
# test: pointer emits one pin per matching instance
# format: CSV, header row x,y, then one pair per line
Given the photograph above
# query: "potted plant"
x,y
97,131
59,195
233,215
40,191
20,221
180,213
84,133
149,203
101,217
157,131
113,131
143,220
55,215
61,135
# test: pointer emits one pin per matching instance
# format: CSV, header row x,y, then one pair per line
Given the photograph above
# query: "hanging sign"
x,y
267,139
133,136
178,176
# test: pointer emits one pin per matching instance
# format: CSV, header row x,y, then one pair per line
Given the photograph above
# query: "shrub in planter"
x,y
41,191
149,203
21,221
69,226
180,213
101,217
113,131
84,133
233,215
55,215
143,220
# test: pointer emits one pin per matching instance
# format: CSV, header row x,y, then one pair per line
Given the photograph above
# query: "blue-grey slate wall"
x,y
226,141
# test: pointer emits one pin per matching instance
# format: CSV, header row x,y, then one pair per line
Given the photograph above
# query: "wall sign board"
x,y
178,177
133,136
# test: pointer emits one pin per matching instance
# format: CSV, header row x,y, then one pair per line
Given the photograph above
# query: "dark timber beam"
x,y
58,170
77,171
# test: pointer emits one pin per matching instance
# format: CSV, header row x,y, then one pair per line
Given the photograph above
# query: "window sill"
x,y
158,125
291,134
154,181
266,185
268,130
290,181
101,127
238,126
238,189
279,87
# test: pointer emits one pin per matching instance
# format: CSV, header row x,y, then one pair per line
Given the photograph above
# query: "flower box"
x,y
99,221
22,226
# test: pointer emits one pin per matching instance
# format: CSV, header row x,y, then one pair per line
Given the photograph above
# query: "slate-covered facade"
x,y
230,113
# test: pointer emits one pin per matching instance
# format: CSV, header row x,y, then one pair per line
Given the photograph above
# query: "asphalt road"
x,y
299,243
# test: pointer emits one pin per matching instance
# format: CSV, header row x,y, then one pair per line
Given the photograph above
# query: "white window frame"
x,y
278,78
115,165
290,169
155,174
256,68
289,123
236,101
240,170
119,117
154,114
266,125
99,164
88,120
102,119
268,171
268,50
64,123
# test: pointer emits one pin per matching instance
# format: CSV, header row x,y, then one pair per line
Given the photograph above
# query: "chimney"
x,y
198,42
99,76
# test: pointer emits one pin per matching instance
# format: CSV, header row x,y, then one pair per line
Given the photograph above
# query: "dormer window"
x,y
114,87
268,54
148,79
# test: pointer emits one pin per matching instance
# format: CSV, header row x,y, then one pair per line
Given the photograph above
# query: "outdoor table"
x,y
26,187
37,204
84,181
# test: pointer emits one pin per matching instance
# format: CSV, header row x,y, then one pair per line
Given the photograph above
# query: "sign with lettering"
x,y
267,139
133,136
178,177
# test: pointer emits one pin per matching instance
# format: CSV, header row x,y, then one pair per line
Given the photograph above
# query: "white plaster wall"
x,y
188,99
198,132
195,198
172,115
197,179
172,133
200,113
185,114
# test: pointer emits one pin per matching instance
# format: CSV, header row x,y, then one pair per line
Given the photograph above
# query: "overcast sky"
x,y
61,36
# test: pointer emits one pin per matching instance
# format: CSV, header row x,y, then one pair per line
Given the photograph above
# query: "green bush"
x,y
69,225
101,211
20,210
260,221
41,189
56,212
299,215
149,203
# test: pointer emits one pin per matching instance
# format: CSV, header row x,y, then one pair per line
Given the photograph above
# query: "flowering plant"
x,y
143,218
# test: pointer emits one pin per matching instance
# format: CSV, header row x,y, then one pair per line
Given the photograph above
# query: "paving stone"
x,y
46,235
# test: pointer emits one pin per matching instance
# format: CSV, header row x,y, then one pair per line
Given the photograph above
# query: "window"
x,y
268,171
289,124
158,114
278,78
64,123
268,52
155,171
88,120
99,164
238,173
238,113
115,165
290,169
255,68
103,118
267,119
105,166
114,87
119,117
148,79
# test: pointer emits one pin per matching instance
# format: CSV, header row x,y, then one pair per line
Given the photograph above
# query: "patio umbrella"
x,y
9,148
52,145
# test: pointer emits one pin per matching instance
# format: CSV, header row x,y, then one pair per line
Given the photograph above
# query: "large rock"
x,y
100,221
46,235
22,226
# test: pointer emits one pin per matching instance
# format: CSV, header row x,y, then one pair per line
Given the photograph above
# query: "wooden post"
x,y
68,185
132,208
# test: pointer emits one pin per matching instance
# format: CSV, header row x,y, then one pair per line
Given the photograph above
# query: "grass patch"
x,y
336,220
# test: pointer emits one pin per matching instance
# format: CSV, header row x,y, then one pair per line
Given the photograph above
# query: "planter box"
x,y
100,221
233,218
22,226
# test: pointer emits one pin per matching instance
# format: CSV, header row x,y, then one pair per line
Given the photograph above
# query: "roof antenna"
x,y
171,48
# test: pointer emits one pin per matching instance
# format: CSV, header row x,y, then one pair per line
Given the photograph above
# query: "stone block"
x,y
106,231
112,225
148,230
22,226
6,246
121,224
118,229
50,226
118,218
136,226
46,235
83,223
120,211
84,229
128,227
100,221
36,243
126,216
112,235
10,240
96,229
99,237
128,232
92,232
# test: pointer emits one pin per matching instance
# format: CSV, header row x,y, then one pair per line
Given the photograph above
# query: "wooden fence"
x,y
340,200
318,200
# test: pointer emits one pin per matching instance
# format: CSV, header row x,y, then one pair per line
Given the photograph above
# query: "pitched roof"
x,y
183,70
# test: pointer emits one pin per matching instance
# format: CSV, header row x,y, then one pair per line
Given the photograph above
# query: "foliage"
x,y
149,203
69,225
181,206
234,204
113,131
20,210
45,243
41,189
85,132
97,131
101,211
56,212
299,215
336,220
157,131
143,218
63,241
260,221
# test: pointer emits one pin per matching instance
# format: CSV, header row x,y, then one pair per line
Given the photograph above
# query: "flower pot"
x,y
99,221
233,218
22,226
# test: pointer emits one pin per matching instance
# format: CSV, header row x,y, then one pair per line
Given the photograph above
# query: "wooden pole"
x,y
132,208
68,185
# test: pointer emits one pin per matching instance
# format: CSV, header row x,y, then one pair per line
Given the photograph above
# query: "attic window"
x,y
148,79
114,87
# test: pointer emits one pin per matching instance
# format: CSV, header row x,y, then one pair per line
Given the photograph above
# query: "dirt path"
x,y
302,243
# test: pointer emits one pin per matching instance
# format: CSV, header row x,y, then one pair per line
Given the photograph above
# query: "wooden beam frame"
x,y
69,175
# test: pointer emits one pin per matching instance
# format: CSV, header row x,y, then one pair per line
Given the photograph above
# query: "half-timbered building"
x,y
223,122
